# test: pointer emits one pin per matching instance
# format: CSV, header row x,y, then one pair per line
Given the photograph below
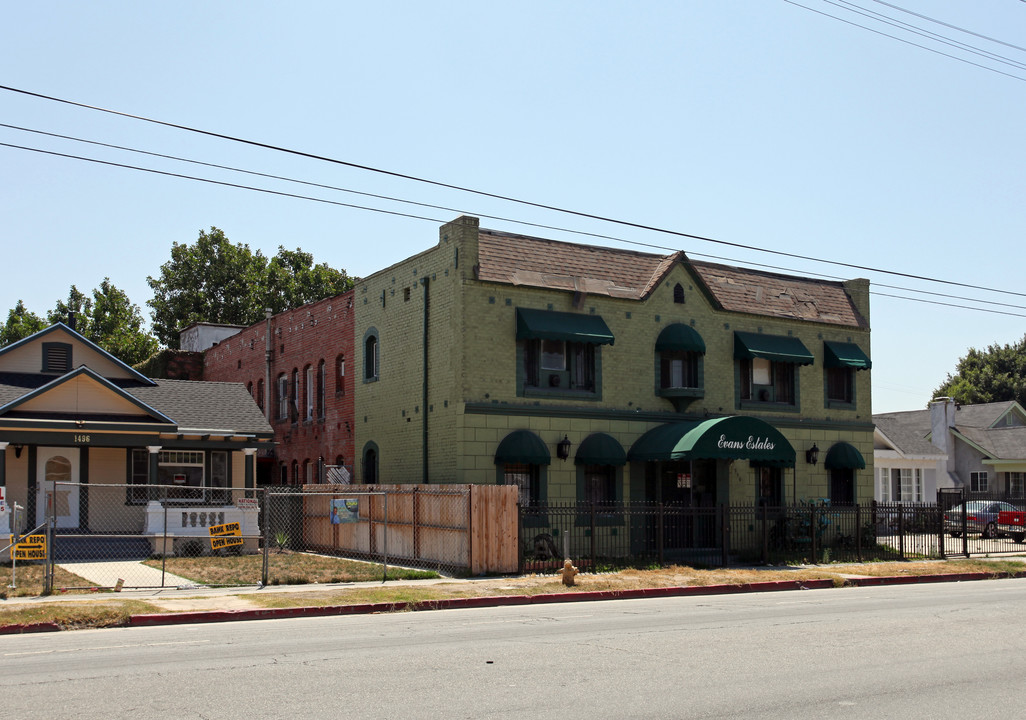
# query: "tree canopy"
x,y
106,317
21,322
215,280
996,374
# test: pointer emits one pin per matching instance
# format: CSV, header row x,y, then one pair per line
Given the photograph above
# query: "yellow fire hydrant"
x,y
569,571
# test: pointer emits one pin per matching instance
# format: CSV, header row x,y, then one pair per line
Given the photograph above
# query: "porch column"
x,y
3,464
151,478
250,454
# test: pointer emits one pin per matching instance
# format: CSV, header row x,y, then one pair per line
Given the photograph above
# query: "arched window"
x,y
678,294
282,390
320,390
295,472
340,374
308,393
249,388
294,396
260,394
371,354
370,464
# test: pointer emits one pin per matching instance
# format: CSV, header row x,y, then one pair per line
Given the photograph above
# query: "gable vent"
x,y
56,357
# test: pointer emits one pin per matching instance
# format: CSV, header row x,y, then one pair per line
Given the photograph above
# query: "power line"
x,y
325,186
439,221
484,215
907,42
915,30
576,213
953,27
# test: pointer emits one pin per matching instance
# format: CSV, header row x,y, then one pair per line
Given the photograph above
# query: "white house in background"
x,y
981,448
909,468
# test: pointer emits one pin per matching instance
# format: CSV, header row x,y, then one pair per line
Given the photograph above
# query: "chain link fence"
x,y
118,536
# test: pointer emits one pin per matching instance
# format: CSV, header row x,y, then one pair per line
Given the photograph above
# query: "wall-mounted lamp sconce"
x,y
812,455
17,451
563,448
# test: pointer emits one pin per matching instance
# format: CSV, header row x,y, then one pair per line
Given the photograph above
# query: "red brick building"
x,y
303,382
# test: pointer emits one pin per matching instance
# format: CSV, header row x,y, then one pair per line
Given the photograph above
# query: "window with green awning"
x,y
569,327
775,348
842,354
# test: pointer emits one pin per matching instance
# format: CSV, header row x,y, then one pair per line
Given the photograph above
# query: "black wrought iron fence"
x,y
635,534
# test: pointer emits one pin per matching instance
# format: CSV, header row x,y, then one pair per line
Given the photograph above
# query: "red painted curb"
x,y
29,628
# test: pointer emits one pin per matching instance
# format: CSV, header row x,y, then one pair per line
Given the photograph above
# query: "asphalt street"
x,y
919,651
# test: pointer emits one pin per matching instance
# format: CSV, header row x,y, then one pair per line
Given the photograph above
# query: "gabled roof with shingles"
x,y
536,262
1008,443
785,296
628,274
190,404
909,431
982,415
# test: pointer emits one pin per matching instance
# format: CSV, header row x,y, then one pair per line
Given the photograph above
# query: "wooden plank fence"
x,y
468,527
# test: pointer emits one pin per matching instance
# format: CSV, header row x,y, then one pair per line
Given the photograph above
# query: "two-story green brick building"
x,y
490,356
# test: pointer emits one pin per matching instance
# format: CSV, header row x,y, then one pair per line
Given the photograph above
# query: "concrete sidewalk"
x,y
107,573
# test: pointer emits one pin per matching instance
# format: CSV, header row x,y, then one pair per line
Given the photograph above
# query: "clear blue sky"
x,y
753,122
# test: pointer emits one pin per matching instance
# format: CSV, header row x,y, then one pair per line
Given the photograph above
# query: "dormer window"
x,y
56,357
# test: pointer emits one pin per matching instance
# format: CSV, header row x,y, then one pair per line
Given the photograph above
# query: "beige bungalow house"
x,y
85,434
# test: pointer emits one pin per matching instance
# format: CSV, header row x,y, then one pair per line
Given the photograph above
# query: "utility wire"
x,y
492,217
328,187
439,221
219,182
907,42
915,30
576,213
953,27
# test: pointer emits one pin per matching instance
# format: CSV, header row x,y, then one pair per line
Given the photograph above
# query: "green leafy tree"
x,y
21,322
76,311
997,374
292,279
116,325
212,280
109,319
215,280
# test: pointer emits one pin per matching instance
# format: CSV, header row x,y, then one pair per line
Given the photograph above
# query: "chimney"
x,y
942,417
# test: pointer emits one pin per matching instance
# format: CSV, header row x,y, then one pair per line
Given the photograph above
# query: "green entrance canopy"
x,y
839,354
778,348
522,446
680,337
554,325
600,449
730,438
843,456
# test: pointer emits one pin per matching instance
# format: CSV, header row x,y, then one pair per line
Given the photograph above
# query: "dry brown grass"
x,y
674,576
72,616
108,610
285,568
30,580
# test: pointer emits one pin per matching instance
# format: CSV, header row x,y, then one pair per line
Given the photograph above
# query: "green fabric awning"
x,y
600,449
843,456
839,354
730,438
680,337
778,348
554,325
522,446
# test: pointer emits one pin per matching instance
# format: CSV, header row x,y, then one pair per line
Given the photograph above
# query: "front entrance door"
x,y
57,465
